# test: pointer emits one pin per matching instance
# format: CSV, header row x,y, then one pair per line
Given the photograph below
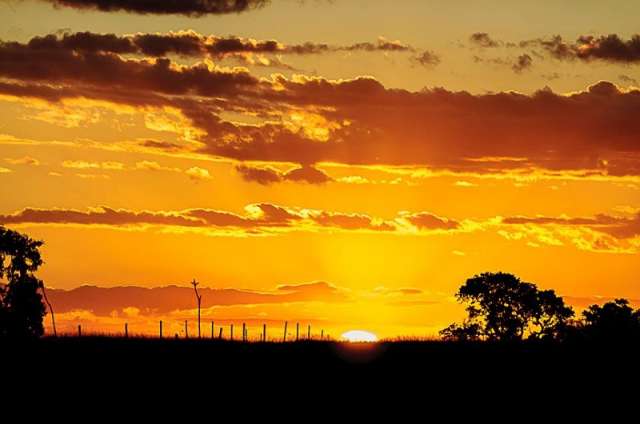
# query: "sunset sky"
x,y
345,164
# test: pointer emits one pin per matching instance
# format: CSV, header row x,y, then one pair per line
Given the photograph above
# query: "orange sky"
x,y
352,162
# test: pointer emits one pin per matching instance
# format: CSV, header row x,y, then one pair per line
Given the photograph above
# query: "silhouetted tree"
x,y
21,306
501,307
612,321
550,318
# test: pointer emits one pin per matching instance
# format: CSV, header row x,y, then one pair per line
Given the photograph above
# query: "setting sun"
x,y
359,336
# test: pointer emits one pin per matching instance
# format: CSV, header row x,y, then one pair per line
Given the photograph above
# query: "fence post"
x,y
322,334
212,329
231,332
186,330
160,328
309,332
297,331
126,329
244,330
264,332
284,339
79,330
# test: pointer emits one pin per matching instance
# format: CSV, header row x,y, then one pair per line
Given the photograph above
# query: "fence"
x,y
262,334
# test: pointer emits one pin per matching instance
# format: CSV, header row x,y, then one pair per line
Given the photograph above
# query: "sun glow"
x,y
359,336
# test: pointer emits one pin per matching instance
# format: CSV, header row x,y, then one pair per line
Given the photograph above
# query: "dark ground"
x,y
423,372
414,381
420,358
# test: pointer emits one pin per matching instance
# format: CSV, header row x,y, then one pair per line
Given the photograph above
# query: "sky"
x,y
344,164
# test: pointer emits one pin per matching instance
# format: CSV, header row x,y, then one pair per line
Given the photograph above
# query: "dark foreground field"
x,y
106,358
117,375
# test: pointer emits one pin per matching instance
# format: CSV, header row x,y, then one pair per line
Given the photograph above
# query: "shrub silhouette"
x,y
21,306
501,307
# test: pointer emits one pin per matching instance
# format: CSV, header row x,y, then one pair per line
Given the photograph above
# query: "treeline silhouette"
x,y
500,307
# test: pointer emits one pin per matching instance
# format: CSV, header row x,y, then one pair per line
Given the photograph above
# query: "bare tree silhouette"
x,y
194,283
46,299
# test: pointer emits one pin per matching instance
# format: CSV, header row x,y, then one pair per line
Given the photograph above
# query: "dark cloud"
x,y
257,218
306,174
262,215
430,221
448,129
269,175
192,44
492,60
522,63
51,65
427,59
592,132
351,222
483,39
609,48
261,175
381,45
164,7
98,216
161,145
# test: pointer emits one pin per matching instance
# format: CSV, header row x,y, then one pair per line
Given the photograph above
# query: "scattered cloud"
x,y
155,166
601,233
81,164
93,176
25,160
197,173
